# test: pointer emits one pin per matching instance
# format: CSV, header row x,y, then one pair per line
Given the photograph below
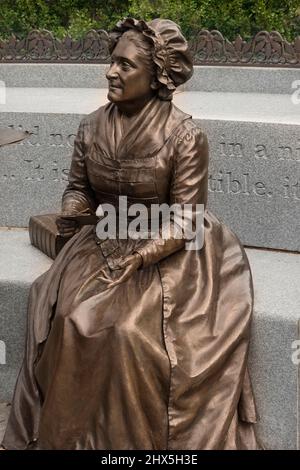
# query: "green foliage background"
x,y
76,17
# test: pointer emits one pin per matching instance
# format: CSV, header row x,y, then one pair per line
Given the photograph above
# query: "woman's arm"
x,y
188,186
78,196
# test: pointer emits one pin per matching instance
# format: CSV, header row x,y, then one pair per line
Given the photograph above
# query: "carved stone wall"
x,y
207,47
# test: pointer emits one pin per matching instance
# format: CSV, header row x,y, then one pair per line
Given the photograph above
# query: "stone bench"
x,y
275,328
20,264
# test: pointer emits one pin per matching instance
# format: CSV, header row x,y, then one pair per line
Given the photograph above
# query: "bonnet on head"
x,y
173,61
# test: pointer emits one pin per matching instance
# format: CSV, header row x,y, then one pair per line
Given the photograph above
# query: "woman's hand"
x,y
66,227
130,264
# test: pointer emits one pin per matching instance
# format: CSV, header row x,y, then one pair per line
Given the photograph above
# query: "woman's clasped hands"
x,y
126,267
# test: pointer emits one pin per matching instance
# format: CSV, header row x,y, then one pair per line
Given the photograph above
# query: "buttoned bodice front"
x,y
158,161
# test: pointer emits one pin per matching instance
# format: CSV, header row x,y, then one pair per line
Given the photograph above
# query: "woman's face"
x,y
129,80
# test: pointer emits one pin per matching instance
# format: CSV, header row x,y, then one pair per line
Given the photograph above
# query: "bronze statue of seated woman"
x,y
138,343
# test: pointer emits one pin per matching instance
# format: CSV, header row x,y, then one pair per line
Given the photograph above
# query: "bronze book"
x,y
44,234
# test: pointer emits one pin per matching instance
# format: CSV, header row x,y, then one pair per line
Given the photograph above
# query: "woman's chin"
x,y
113,96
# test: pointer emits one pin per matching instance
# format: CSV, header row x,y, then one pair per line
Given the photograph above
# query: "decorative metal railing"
x,y
208,48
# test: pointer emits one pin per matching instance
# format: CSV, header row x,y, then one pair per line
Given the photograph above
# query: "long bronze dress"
x,y
156,362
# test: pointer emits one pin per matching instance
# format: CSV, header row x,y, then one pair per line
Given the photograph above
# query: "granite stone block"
x,y
4,412
20,264
274,361
205,78
254,180
34,173
227,79
54,75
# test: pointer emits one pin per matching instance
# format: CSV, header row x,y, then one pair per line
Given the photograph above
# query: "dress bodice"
x,y
143,180
162,158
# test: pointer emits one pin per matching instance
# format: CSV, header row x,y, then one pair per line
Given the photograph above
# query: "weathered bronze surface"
x,y
267,49
138,343
10,136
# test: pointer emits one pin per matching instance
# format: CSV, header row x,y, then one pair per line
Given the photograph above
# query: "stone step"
x,y
275,329
275,346
4,412
254,183
205,78
228,106
20,264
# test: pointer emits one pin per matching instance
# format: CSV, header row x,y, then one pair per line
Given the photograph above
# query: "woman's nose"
x,y
112,72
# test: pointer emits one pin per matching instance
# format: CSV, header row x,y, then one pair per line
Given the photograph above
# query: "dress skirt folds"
x,y
160,360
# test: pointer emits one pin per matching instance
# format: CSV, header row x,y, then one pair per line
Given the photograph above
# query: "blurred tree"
x,y
76,17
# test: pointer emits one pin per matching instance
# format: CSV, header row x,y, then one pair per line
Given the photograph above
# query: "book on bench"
x,y
44,234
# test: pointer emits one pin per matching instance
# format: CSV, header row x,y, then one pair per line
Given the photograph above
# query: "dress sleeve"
x,y
78,195
188,186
